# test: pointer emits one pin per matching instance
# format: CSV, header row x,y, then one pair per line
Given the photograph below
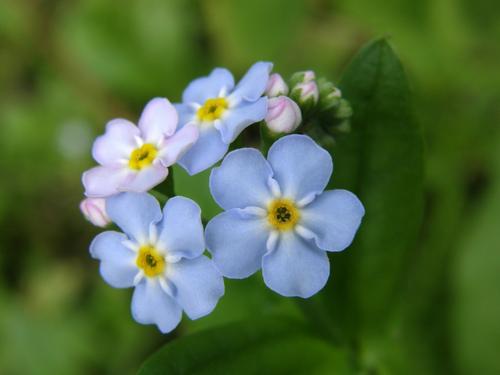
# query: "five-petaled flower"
x,y
137,158
161,254
221,111
278,216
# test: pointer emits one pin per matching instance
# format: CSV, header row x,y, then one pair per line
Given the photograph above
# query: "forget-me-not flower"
x,y
136,158
278,217
221,111
161,255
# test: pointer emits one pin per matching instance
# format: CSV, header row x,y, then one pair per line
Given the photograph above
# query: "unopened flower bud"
x,y
94,210
306,92
276,86
302,77
283,115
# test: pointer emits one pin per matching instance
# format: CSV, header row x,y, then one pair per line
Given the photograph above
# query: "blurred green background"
x,y
66,67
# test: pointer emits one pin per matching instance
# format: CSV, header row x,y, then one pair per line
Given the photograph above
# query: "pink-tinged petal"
x,y
119,140
159,119
177,145
100,182
146,179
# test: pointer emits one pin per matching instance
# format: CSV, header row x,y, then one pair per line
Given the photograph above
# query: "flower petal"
x,y
240,117
186,113
242,180
116,144
296,268
181,232
146,179
117,267
237,242
207,151
334,217
134,213
151,305
201,89
198,285
253,84
159,119
300,166
177,145
105,181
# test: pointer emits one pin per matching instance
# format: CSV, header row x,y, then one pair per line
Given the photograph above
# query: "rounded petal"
x,y
253,84
198,285
240,117
201,89
334,217
237,243
300,166
145,179
116,144
177,145
186,113
242,180
296,267
134,213
158,120
117,267
102,182
151,305
181,232
207,151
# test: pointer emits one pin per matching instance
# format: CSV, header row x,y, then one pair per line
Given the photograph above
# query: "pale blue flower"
x,y
161,255
221,111
278,217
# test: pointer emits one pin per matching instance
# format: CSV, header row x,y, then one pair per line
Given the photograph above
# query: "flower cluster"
x,y
277,215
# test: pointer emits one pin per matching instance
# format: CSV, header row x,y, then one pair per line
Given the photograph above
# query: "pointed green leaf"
x,y
271,346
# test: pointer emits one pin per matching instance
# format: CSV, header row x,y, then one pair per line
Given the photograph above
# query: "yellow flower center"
x,y
282,214
213,109
143,156
150,261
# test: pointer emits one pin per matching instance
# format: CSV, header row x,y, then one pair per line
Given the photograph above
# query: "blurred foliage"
x,y
66,67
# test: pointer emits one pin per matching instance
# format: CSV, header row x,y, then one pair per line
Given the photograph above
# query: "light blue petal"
x,y
240,117
134,213
300,166
207,151
237,243
151,305
117,267
296,267
334,217
180,231
208,87
186,114
198,285
241,180
253,84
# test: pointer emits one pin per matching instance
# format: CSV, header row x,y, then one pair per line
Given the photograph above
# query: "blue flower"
x,y
221,111
278,217
161,254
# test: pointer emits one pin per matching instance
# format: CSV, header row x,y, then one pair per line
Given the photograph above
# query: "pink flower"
x,y
283,115
94,210
136,158
276,86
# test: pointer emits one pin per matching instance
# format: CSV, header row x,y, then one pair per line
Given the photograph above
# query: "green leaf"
x,y
271,346
381,161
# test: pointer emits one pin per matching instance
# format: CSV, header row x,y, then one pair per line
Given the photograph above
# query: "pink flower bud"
x,y
94,210
276,86
308,90
283,115
309,76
